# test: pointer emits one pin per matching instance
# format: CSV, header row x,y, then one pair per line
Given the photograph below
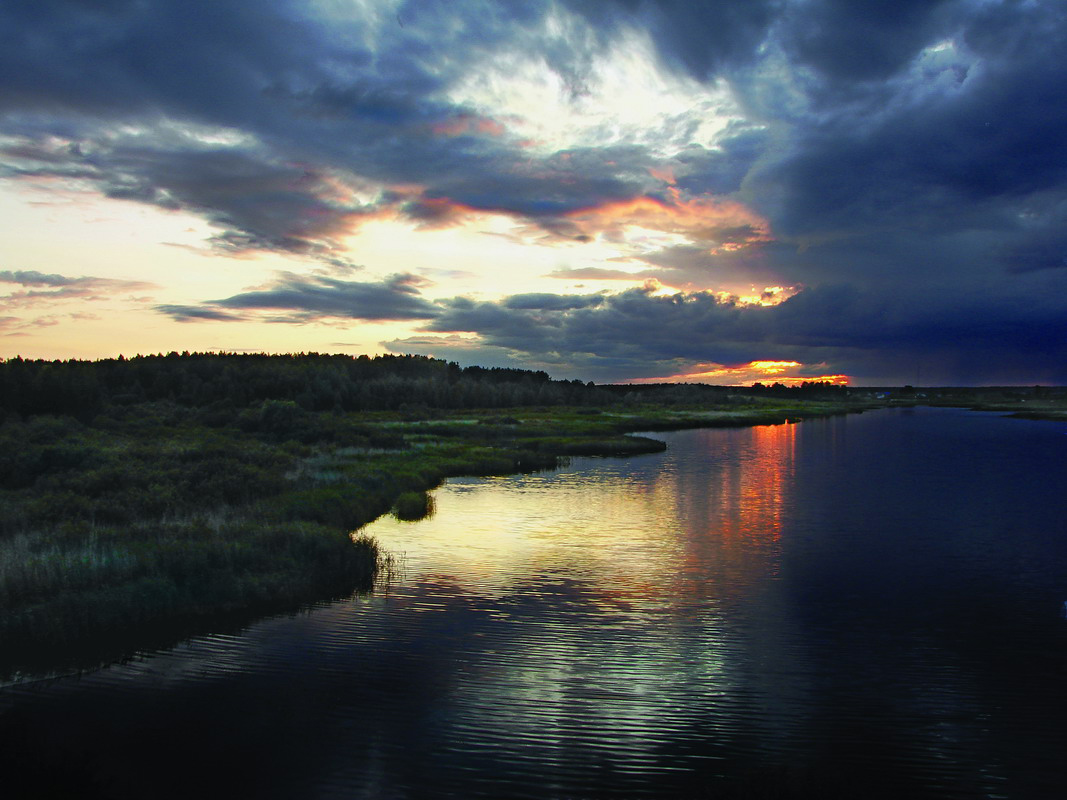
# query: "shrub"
x,y
413,506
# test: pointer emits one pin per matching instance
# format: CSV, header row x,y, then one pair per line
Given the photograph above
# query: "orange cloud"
x,y
720,224
666,174
773,367
743,374
467,125
770,296
408,203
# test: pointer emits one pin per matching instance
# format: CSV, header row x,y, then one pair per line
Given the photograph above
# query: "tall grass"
x,y
413,506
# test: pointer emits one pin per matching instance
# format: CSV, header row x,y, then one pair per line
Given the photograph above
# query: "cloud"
x,y
691,268
715,223
701,38
967,128
542,301
846,41
180,313
637,333
633,328
1038,238
903,160
877,113
256,201
21,327
285,128
49,288
302,299
596,274
34,278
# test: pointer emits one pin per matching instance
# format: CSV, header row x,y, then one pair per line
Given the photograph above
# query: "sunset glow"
x,y
783,372
708,221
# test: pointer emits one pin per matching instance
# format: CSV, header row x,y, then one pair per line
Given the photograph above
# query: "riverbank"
x,y
1022,402
154,520
1051,411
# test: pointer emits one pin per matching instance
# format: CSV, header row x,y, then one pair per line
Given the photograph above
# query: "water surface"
x,y
861,606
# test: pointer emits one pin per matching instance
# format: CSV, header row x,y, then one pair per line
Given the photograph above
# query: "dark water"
x,y
864,606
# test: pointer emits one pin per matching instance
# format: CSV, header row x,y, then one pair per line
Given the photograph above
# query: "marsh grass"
x,y
66,597
413,506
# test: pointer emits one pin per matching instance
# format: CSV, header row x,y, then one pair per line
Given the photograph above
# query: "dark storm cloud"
x,y
914,152
114,58
699,37
958,135
722,170
886,113
308,96
633,324
1045,249
301,299
863,40
654,335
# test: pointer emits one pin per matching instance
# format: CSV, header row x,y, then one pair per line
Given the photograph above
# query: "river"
x,y
858,606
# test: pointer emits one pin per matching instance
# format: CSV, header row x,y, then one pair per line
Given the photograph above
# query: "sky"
x,y
619,190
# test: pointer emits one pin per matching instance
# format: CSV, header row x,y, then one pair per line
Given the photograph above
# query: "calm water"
x,y
865,606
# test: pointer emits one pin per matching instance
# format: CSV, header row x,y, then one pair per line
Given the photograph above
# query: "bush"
x,y
413,506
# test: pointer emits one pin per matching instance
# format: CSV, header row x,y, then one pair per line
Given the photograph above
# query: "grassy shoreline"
x,y
134,530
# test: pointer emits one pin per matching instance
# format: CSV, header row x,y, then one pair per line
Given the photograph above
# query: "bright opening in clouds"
x,y
611,95
724,192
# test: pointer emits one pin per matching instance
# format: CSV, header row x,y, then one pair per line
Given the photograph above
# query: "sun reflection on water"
x,y
627,585
640,531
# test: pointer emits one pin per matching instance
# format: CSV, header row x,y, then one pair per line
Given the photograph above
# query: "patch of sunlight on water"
x,y
645,538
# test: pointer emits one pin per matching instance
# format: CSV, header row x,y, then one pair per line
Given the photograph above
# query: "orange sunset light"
x,y
468,125
773,367
722,225
752,372
770,296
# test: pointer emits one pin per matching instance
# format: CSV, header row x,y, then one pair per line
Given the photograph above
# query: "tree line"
x,y
317,382
313,381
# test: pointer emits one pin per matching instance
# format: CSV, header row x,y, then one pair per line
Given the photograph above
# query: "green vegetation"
x,y
143,499
413,506
1024,402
